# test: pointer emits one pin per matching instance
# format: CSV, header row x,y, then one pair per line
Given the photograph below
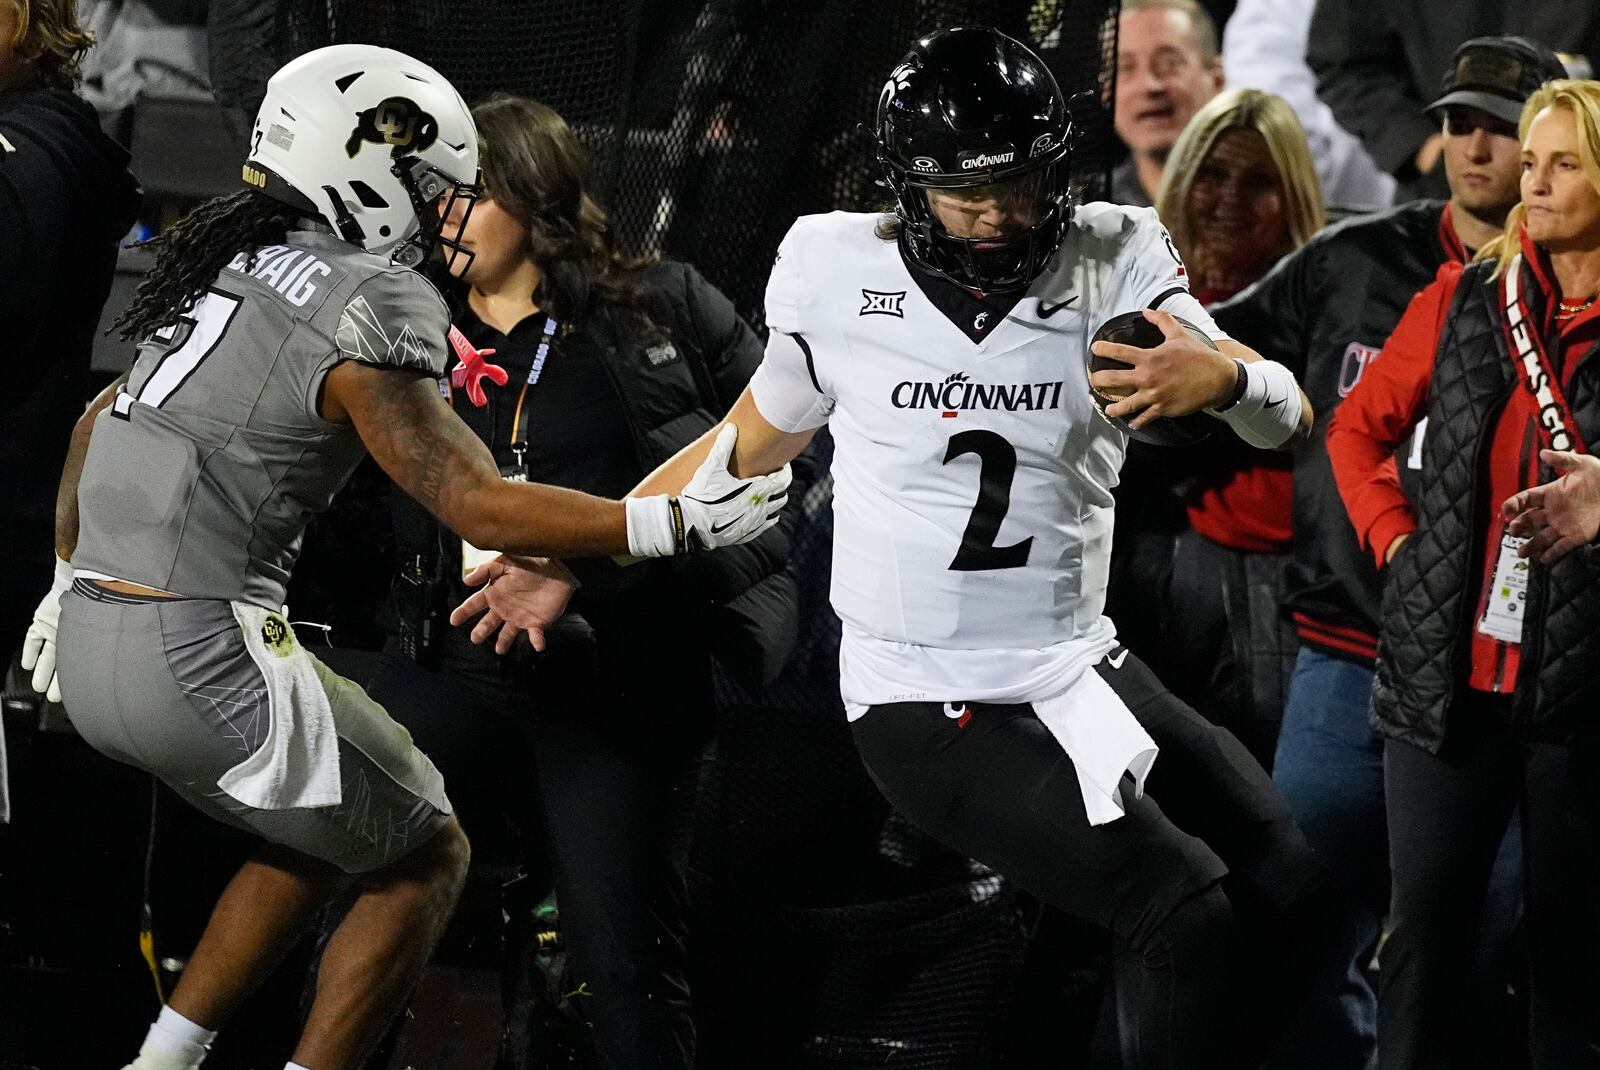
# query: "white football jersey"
x,y
972,480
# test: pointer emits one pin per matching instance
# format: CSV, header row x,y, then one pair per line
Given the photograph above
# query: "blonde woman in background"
x,y
1209,543
1240,191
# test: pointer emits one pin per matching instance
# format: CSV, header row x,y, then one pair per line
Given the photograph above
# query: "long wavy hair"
x,y
536,170
1582,99
49,38
1272,118
191,253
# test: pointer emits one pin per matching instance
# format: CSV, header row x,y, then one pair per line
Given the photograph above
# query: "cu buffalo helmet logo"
x,y
396,122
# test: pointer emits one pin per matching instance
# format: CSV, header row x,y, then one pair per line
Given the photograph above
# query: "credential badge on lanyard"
x,y
1508,595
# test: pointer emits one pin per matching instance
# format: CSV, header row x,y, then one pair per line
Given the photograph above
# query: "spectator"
x,y
1240,192
1167,66
1264,46
1374,64
147,48
1485,690
66,197
613,365
1325,311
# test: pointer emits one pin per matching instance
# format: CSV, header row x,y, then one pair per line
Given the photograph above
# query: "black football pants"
x,y
1206,890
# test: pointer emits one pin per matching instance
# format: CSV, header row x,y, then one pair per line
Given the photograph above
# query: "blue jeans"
x,y
1329,766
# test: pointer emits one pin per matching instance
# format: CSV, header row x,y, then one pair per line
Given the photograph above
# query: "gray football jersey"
x,y
203,473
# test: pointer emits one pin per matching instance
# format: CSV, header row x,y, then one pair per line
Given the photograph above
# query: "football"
x,y
1132,329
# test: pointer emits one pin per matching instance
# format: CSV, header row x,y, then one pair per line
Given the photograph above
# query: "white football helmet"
x,y
368,139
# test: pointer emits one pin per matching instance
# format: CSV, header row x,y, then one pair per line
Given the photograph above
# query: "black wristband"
x,y
680,540
1240,384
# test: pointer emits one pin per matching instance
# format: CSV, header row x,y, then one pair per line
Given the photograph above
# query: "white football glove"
x,y
716,509
39,646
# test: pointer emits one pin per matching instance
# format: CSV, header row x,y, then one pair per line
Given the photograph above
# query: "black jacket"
x,y
66,198
1324,311
1379,65
1431,597
674,378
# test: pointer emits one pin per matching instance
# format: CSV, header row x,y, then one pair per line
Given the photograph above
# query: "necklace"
x,y
1567,310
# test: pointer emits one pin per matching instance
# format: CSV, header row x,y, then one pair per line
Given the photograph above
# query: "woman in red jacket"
x,y
1486,688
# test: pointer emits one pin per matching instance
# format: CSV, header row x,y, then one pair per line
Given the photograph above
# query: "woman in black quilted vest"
x,y
1487,688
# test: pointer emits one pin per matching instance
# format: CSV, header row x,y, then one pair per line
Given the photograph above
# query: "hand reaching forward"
x,y
519,595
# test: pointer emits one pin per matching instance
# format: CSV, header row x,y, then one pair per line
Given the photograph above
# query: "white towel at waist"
x,y
1104,741
298,764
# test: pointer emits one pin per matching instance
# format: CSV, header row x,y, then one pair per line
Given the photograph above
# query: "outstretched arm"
x,y
522,595
761,449
435,458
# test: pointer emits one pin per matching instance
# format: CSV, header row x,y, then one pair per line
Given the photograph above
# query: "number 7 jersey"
x,y
972,481
203,473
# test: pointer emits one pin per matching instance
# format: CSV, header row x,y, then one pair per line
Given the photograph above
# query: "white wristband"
x,y
651,531
1269,411
63,577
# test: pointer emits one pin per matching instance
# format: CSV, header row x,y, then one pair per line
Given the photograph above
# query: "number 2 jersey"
x,y
203,473
972,480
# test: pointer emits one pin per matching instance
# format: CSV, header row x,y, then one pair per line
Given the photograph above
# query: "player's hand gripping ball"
x,y
1133,329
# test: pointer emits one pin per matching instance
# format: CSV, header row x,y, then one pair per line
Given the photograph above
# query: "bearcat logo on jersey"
x,y
397,122
958,393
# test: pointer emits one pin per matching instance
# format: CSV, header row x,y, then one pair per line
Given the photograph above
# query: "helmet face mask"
x,y
971,120
374,142
434,197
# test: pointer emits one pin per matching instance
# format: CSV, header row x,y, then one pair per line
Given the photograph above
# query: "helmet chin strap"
x,y
344,224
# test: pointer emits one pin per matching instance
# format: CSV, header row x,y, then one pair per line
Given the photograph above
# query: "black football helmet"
x,y
973,114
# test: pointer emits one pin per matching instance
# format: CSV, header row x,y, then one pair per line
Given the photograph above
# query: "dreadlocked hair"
x,y
191,253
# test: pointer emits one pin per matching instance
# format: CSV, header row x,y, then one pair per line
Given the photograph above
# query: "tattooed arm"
x,y
437,459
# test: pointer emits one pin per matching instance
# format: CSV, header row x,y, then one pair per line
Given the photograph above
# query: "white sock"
x,y
174,1035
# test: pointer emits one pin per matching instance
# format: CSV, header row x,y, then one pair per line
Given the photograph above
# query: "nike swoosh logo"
x,y
1274,404
1116,660
718,529
1046,311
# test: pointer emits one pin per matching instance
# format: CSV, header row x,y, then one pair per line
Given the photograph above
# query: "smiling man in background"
x,y
1168,66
